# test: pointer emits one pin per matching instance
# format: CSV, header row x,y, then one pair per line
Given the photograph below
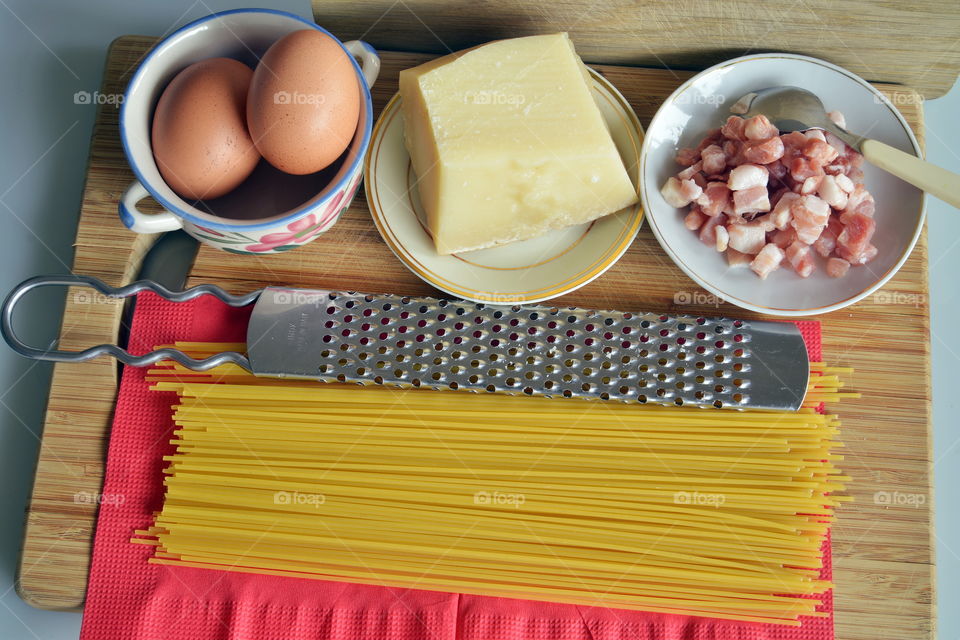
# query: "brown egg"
x,y
199,137
304,102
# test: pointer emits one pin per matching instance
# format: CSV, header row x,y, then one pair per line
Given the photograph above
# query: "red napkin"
x,y
128,598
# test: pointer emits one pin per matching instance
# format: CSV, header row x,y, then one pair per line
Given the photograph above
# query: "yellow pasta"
x,y
667,509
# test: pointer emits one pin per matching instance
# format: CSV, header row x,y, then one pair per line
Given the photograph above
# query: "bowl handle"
x,y
141,222
369,60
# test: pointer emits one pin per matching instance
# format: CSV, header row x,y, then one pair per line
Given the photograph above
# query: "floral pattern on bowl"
x,y
274,240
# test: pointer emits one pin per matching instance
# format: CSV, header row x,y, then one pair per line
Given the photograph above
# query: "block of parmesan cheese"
x,y
507,143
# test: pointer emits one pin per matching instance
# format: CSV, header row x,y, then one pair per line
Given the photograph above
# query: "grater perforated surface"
x,y
534,350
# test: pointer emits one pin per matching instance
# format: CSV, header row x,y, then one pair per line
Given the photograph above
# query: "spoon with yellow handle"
x,y
796,109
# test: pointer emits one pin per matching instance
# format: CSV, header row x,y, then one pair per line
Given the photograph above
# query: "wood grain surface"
x,y
882,543
910,43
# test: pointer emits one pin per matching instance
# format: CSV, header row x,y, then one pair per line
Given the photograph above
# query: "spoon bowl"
x,y
796,109
792,109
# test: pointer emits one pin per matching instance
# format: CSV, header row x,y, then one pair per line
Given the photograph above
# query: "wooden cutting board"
x,y
882,552
910,43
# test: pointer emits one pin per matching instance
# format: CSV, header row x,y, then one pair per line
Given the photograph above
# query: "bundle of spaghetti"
x,y
679,510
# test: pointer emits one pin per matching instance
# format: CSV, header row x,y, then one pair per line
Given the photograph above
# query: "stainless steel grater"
x,y
448,344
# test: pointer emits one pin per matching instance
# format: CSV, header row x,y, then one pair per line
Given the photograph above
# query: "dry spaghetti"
x,y
703,512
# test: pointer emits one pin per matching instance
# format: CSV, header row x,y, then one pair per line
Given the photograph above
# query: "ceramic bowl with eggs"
x,y
703,103
249,127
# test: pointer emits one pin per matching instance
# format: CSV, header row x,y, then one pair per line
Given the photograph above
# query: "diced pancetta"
x,y
837,267
784,237
837,144
857,233
687,157
680,193
827,242
714,199
800,258
767,260
723,238
691,171
781,214
810,217
673,193
793,144
837,118
778,171
864,256
810,185
844,182
763,151
746,176
714,160
733,128
746,238
860,201
802,168
751,200
759,127
762,198
831,193
694,220
708,232
819,151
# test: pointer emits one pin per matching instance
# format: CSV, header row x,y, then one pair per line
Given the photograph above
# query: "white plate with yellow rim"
x,y
520,272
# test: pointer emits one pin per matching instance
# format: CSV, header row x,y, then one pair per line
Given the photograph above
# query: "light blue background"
x,y
49,50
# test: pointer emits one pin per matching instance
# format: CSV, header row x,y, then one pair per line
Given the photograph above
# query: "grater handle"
x,y
56,355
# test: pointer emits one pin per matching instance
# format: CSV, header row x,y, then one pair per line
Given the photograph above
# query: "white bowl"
x,y
702,103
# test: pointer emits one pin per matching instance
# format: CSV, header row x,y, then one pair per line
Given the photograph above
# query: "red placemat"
x,y
128,598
